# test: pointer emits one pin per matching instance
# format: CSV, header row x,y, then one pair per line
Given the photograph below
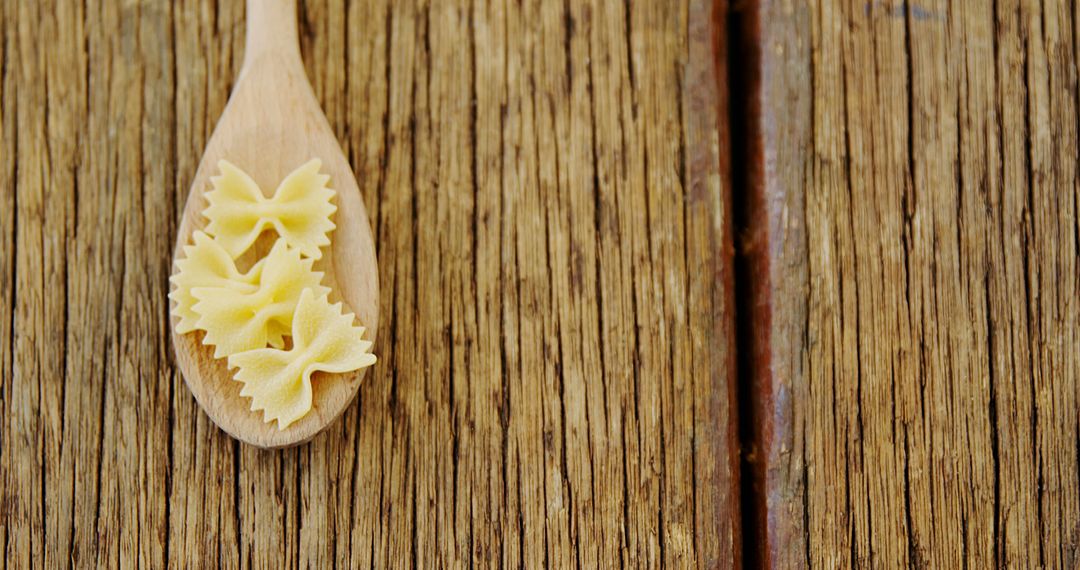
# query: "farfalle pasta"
x,y
299,210
206,264
280,296
279,381
236,319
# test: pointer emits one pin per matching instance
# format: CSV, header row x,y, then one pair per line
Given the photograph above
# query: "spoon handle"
x,y
271,33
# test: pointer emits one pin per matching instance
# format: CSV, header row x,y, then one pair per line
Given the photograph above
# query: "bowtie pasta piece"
x,y
299,211
279,381
238,320
206,264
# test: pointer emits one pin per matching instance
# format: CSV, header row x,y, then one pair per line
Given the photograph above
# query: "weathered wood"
x,y
915,247
547,190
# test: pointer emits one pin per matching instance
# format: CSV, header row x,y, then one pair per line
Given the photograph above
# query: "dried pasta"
x,y
279,297
236,320
299,211
206,264
279,381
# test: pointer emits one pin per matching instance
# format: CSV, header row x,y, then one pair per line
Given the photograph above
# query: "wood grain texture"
x,y
546,187
915,246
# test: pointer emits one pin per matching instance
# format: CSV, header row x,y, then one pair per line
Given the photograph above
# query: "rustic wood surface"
x,y
914,243
547,191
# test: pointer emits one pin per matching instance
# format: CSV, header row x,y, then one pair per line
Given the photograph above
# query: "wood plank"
x,y
548,187
915,253
8,144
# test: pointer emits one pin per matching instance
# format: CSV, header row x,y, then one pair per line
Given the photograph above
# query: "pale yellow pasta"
x,y
279,297
279,381
206,264
299,210
236,320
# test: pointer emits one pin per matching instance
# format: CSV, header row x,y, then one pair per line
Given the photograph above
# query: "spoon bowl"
x,y
271,125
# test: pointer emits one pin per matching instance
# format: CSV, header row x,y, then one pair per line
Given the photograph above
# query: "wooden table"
x,y
916,289
600,345
556,378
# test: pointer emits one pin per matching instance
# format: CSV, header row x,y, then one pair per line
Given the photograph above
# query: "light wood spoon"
x,y
271,125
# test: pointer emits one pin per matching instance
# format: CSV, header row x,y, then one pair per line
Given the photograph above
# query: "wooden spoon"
x,y
271,125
